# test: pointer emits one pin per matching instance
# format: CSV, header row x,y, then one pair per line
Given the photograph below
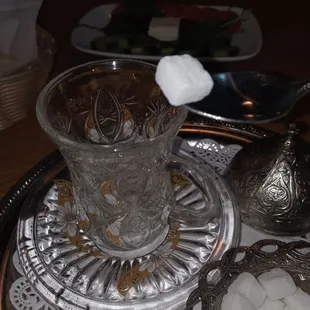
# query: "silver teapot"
x,y
271,181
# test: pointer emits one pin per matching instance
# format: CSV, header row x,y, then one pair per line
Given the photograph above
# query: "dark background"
x,y
286,50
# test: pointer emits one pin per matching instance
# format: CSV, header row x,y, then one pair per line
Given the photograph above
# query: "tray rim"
x,y
11,202
3,266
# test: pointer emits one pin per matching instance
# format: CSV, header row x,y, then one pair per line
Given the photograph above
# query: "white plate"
x,y
249,40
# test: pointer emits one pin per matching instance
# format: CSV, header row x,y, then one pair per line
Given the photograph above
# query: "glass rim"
x,y
46,125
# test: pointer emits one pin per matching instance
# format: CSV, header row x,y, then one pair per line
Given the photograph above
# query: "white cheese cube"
x,y
183,79
164,28
269,304
235,301
277,283
298,301
247,285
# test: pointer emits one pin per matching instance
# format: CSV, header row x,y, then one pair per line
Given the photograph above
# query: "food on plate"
x,y
183,79
149,28
273,290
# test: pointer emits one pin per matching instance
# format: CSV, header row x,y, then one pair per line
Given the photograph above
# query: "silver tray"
x,y
193,131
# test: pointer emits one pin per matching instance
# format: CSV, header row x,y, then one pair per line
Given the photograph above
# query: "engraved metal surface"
x,y
271,181
195,126
69,270
195,129
216,277
234,131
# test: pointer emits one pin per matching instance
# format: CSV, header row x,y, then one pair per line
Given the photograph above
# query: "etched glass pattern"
x,y
115,130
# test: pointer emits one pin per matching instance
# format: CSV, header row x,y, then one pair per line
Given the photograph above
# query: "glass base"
x,y
138,252
68,270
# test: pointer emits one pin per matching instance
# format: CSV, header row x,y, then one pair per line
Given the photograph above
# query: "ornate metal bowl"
x,y
271,181
216,277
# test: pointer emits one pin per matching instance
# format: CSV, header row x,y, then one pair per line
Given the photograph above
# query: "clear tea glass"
x,y
116,130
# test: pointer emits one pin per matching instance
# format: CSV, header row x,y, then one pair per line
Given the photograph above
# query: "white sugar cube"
x,y
236,301
277,283
247,285
269,304
300,300
183,79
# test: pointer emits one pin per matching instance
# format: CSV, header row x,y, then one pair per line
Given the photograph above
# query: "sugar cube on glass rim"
x,y
183,79
247,285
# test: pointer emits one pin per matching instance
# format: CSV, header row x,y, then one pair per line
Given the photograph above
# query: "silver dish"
x,y
195,130
264,255
72,272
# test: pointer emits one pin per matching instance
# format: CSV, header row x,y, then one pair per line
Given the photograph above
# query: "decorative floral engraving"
x,y
130,186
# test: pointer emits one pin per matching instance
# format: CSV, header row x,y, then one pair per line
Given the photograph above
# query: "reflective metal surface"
x,y
249,97
271,181
194,130
259,258
69,270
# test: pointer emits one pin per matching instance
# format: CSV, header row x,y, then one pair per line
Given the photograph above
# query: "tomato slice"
x,y
236,26
119,9
182,11
210,13
193,13
169,10
228,15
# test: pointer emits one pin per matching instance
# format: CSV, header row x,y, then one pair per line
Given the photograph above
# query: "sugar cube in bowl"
x,y
236,301
269,304
272,290
277,283
247,285
298,301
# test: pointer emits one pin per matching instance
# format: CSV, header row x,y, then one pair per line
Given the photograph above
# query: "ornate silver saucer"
x,y
70,272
